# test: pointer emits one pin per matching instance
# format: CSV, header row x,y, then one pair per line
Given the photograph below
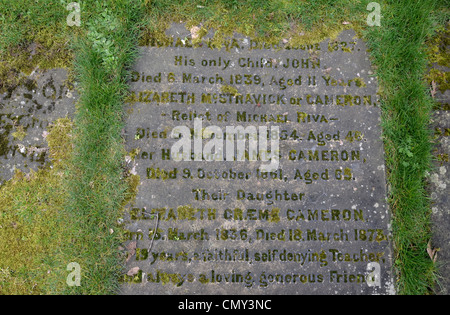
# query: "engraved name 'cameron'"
x,y
213,150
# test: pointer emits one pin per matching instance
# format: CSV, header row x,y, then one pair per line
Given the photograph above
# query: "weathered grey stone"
x,y
439,180
218,241
25,114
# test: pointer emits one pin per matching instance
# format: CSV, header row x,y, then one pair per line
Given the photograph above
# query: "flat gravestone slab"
x,y
315,223
25,114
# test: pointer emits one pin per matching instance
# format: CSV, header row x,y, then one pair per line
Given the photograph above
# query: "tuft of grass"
x,y
398,51
96,186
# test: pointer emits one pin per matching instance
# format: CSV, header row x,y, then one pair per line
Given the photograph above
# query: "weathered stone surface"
x,y
224,227
440,187
25,114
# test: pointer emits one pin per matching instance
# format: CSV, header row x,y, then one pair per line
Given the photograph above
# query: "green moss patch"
x,y
30,227
270,22
34,35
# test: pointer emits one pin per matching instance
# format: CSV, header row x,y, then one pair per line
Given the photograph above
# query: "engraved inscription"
x,y
208,218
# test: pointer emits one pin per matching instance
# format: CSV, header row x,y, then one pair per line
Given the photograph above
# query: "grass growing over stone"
x,y
69,213
97,186
31,229
33,34
398,51
80,220
269,21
